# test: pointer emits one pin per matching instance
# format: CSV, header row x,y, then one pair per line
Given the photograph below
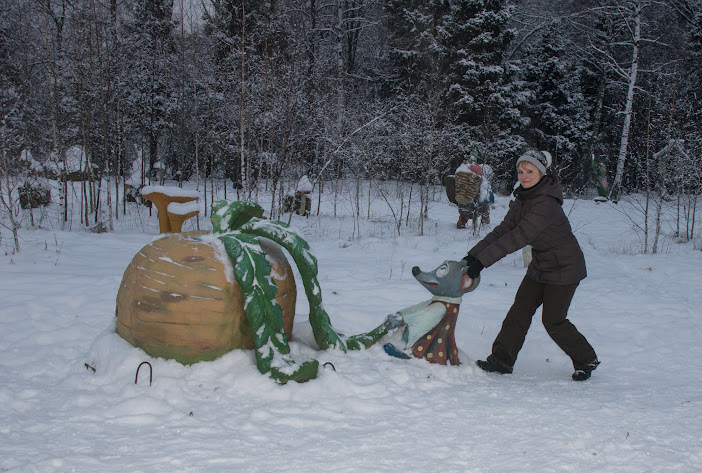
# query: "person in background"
x,y
485,197
557,266
473,192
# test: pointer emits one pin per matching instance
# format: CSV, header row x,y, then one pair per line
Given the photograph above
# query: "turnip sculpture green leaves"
x,y
239,225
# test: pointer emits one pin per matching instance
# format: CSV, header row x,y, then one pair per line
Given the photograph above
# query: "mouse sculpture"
x,y
427,329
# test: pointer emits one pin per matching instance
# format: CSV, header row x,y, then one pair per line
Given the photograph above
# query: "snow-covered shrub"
x,y
34,195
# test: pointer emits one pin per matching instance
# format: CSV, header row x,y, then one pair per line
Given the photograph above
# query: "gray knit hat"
x,y
540,159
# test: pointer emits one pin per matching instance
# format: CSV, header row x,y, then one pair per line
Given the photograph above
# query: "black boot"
x,y
584,374
493,368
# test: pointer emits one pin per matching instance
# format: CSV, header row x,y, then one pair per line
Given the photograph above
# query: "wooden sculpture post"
x,y
178,213
162,197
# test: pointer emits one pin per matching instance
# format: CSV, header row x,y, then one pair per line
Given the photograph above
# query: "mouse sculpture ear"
x,y
467,283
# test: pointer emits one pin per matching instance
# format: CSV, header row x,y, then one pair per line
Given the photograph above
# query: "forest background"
x,y
103,97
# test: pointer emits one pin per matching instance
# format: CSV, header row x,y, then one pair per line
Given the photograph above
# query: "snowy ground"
x,y
641,411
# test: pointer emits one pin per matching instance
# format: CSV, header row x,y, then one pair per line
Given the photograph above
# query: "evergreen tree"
x,y
596,85
249,44
414,49
692,82
417,86
475,39
452,54
11,96
559,122
149,96
484,97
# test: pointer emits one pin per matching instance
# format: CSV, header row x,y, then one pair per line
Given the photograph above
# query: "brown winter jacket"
x,y
536,218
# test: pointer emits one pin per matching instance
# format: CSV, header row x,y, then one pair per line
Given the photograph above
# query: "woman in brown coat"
x,y
536,218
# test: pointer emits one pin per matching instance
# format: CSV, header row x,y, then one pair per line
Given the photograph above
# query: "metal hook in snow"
x,y
151,372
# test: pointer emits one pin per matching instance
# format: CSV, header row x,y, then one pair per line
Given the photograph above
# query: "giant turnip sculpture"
x,y
173,305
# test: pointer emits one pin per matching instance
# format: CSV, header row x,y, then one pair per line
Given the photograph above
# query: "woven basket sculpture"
x,y
467,187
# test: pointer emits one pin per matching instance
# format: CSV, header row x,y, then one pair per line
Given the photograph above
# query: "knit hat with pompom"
x,y
540,159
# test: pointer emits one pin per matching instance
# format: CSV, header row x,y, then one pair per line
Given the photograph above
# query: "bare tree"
x,y
58,154
242,103
7,198
631,14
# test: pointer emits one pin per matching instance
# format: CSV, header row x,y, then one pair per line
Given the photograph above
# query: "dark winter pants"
x,y
556,300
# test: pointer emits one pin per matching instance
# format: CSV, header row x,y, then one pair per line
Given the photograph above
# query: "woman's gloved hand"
x,y
474,268
469,259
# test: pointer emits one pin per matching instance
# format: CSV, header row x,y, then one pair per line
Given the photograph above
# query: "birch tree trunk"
x,y
263,121
56,153
648,176
196,112
341,99
105,130
182,95
626,127
242,155
8,189
663,166
108,185
424,188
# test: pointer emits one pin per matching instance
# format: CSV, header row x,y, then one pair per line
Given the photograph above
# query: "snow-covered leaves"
x,y
228,215
239,226
281,233
252,272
